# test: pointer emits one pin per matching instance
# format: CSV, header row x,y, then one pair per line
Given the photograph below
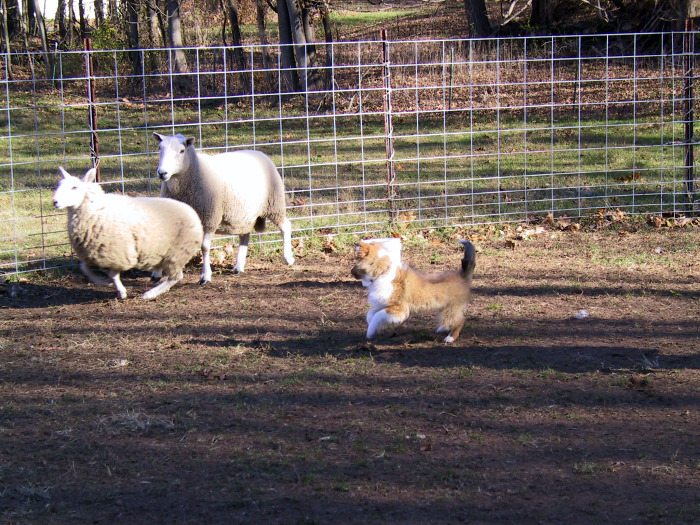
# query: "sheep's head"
x,y
70,191
173,154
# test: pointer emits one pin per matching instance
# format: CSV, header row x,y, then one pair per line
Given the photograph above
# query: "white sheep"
x,y
117,233
233,193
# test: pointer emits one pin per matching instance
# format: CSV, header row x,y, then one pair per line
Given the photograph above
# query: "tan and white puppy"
x,y
396,290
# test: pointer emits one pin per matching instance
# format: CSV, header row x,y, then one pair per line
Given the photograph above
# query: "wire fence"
x,y
428,133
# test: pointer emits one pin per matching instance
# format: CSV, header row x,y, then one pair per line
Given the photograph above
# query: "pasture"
x,y
256,399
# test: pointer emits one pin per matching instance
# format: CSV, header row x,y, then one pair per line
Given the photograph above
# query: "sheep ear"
x,y
158,137
63,172
90,175
189,142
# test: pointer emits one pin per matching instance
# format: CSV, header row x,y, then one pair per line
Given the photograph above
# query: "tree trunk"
x,y
112,9
14,18
99,12
29,20
232,11
71,23
309,36
476,17
59,21
296,25
48,56
328,33
81,16
132,16
541,13
161,24
155,25
286,49
6,35
260,10
175,35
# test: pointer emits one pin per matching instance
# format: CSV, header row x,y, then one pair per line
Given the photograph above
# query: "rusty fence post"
x,y
92,108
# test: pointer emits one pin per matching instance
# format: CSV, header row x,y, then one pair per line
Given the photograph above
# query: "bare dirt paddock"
x,y
255,399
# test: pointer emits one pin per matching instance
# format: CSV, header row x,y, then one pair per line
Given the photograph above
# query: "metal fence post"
x,y
92,109
389,131
688,57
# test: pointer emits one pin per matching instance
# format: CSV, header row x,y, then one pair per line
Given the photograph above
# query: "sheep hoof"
x,y
236,271
203,281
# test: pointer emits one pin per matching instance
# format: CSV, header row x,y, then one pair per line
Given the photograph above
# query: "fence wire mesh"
x,y
428,133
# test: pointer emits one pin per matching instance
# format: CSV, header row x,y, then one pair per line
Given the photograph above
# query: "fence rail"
x,y
430,133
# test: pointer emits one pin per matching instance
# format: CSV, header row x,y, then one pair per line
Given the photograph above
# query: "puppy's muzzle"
x,y
357,273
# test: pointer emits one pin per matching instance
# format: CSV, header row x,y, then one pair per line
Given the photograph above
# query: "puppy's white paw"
x,y
449,339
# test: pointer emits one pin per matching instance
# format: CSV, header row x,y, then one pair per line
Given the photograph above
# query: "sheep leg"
x,y
286,229
206,263
156,275
92,276
114,275
162,287
242,253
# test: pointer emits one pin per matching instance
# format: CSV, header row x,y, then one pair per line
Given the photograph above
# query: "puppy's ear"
x,y
362,249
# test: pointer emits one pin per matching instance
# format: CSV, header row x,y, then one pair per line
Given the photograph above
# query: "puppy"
x,y
396,290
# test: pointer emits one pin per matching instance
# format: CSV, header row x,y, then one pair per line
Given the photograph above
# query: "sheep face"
x,y
70,191
173,154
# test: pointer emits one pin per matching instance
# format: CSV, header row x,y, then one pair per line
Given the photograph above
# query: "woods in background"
x,y
144,24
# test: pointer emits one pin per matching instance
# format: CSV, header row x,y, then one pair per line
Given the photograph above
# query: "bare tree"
x,y
155,24
328,33
99,7
12,18
132,24
35,22
6,36
476,17
286,48
60,20
172,8
297,40
542,11
81,17
304,51
71,22
231,9
29,19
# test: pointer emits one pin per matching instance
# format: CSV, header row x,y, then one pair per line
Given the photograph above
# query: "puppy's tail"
x,y
468,261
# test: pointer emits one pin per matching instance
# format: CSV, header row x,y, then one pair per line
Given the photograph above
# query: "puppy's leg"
x,y
456,324
370,314
384,317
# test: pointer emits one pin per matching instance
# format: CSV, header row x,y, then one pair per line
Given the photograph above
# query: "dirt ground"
x,y
256,399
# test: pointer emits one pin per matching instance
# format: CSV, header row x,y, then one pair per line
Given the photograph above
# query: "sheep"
x,y
233,193
118,233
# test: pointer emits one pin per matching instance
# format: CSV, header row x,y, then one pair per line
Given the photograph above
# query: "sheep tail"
x,y
259,224
468,261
